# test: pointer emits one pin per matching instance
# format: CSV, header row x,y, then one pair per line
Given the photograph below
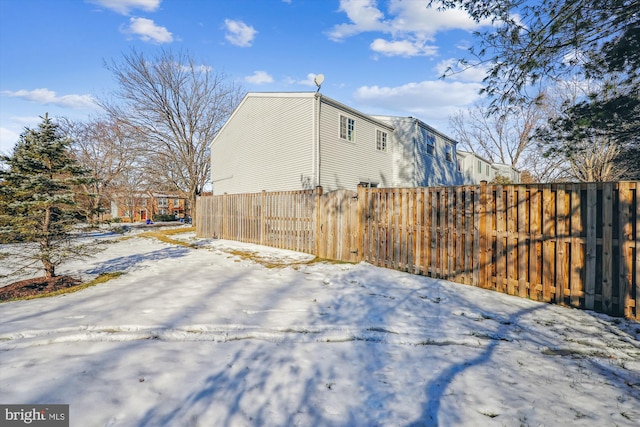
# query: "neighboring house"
x,y
422,156
476,169
143,206
293,141
508,172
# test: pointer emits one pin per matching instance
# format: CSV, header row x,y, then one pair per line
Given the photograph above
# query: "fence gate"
x,y
337,226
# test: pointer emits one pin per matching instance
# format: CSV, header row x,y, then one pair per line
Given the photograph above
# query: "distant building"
x,y
476,169
138,207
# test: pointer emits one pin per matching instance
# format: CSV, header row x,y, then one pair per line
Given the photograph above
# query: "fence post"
x,y
318,220
590,257
485,238
362,215
263,222
625,231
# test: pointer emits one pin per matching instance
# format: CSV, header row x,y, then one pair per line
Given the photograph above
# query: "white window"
x,y
163,202
487,169
479,166
347,128
176,203
381,140
431,143
448,156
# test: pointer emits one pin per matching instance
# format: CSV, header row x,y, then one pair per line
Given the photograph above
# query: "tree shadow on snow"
x,y
437,387
126,262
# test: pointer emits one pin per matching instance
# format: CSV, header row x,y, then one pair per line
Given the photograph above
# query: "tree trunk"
x,y
49,267
193,208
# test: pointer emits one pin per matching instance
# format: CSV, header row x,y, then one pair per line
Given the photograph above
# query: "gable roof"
x,y
420,123
322,97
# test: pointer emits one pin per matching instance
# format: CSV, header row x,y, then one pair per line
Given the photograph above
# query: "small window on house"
x,y
381,140
431,143
487,170
163,202
448,156
347,128
176,203
163,211
459,165
479,166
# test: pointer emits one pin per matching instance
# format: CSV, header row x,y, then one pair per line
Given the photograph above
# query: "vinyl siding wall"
x,y
344,164
267,144
475,169
419,158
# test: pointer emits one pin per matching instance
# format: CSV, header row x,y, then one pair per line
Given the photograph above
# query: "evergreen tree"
x,y
37,186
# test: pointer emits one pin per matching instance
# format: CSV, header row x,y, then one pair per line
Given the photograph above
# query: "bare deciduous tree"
x,y
502,138
105,148
177,106
506,137
591,156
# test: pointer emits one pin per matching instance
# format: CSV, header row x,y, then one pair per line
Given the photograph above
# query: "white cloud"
x,y
430,100
12,127
147,30
410,24
8,139
403,48
123,7
308,81
259,77
46,96
364,16
239,33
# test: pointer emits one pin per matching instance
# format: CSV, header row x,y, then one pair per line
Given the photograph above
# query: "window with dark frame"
x,y
431,144
347,128
381,140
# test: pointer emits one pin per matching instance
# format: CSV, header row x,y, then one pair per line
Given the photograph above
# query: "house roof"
x,y
463,153
323,98
420,123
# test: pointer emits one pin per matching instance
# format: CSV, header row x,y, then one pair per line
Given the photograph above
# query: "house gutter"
x,y
316,139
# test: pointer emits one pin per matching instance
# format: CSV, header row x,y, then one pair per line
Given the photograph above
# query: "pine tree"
x,y
37,198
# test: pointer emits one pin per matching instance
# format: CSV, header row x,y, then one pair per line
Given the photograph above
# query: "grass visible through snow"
x,y
271,263
163,236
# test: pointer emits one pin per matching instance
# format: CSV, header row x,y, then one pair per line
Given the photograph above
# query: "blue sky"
x,y
381,57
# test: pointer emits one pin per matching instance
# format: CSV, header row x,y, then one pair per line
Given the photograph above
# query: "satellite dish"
x,y
318,79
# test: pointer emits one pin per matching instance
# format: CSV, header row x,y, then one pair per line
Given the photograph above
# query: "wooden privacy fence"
x,y
572,244
307,221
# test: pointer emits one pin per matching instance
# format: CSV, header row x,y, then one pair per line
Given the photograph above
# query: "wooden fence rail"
x,y
571,244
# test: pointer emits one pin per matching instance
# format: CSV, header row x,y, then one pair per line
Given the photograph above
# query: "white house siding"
x,y
475,168
507,171
415,164
267,144
344,164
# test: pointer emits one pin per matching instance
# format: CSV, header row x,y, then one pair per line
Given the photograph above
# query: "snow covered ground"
x,y
209,337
